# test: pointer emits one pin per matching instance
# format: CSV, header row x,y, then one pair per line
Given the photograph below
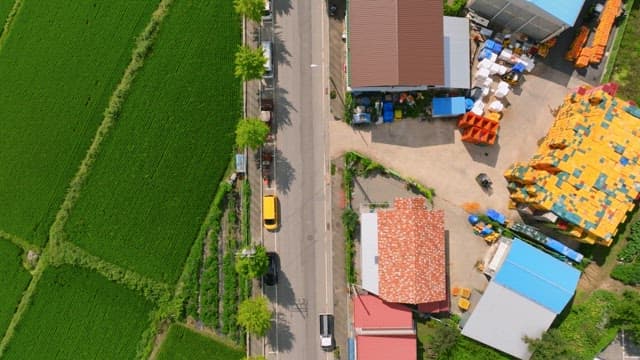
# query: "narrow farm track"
x,y
52,248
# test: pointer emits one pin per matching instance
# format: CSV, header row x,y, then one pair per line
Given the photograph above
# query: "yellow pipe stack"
x,y
587,168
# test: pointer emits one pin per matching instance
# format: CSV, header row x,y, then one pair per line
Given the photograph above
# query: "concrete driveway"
x,y
432,153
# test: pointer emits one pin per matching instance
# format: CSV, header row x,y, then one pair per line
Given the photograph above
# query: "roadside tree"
x,y
254,264
254,315
251,9
249,63
251,132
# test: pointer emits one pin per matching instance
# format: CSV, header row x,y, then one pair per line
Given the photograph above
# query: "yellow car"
x,y
270,212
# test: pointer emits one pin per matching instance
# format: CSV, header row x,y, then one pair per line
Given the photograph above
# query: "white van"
x,y
326,332
266,51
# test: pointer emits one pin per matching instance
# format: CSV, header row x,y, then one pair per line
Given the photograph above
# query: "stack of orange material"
x,y
577,44
601,37
584,58
477,129
595,52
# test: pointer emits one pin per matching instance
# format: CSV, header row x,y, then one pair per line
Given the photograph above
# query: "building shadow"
x,y
415,133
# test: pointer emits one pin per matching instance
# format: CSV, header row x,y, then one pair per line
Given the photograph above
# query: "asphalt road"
x,y
301,181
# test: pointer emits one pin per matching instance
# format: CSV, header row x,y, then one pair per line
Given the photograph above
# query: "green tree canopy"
x,y
255,265
443,340
254,315
552,345
251,9
627,314
251,132
249,63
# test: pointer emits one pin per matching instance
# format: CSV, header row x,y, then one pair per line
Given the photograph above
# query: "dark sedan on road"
x,y
271,277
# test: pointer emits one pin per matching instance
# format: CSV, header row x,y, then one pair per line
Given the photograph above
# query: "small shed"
x,y
448,106
241,163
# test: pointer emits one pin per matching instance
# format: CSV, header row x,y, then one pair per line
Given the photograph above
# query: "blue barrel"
x,y
473,219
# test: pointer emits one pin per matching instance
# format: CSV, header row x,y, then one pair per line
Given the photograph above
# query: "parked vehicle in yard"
x,y
326,332
271,277
268,65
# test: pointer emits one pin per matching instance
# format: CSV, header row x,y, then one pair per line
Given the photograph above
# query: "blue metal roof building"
x,y
566,11
529,289
539,19
538,276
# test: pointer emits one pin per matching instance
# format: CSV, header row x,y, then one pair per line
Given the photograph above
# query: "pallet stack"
x,y
478,129
586,170
577,44
594,53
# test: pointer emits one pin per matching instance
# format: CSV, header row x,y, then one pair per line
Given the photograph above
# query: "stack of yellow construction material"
x,y
587,168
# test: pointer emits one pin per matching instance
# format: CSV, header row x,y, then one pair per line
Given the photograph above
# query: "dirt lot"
x,y
432,153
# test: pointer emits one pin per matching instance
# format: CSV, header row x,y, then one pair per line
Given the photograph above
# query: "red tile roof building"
x,y
383,330
411,253
396,43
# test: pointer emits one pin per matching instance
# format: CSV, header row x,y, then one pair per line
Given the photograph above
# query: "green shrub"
x,y
628,274
350,226
454,8
349,106
230,297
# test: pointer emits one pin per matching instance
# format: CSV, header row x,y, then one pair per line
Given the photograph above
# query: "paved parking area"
x,y
432,153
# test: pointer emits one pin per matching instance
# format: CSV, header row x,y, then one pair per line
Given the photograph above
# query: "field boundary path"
x,y
51,253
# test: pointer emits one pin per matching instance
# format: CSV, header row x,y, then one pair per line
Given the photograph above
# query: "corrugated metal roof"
x,y
396,42
501,318
387,347
566,11
370,312
369,251
538,276
457,68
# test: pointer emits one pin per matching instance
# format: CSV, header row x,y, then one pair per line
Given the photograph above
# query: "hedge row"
x,y
189,285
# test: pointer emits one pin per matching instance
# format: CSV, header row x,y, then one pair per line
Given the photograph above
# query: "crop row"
x,y
59,64
78,314
13,281
156,174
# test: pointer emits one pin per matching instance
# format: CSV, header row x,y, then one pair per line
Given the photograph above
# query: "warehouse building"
x,y
539,19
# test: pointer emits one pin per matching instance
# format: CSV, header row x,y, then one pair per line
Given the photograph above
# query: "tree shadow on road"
x,y
281,54
283,109
285,173
282,7
286,296
280,337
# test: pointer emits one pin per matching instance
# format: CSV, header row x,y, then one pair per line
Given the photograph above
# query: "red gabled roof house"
x,y
403,255
383,330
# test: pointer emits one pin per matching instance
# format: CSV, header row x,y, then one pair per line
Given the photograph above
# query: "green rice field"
x,y
5,8
184,344
151,185
76,314
59,64
13,282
